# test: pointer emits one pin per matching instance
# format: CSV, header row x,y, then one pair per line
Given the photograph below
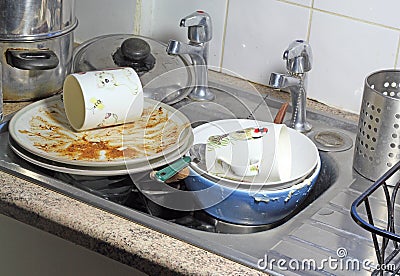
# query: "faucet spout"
x,y
296,85
199,34
194,51
279,81
298,62
198,54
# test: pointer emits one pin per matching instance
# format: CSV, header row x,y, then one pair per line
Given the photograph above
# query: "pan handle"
x,y
32,59
171,170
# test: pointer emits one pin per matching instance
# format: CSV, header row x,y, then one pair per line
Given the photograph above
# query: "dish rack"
x,y
383,230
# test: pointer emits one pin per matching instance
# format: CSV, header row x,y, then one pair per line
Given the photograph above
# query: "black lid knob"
x,y
135,49
135,52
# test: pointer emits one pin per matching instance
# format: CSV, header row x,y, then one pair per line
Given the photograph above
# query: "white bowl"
x,y
267,157
304,153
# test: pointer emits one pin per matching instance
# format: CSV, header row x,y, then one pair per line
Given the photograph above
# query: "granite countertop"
x,y
135,245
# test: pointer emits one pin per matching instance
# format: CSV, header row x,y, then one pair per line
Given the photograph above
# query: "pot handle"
x,y
32,59
171,170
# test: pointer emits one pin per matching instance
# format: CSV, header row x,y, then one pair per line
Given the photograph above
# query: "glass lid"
x,y
165,78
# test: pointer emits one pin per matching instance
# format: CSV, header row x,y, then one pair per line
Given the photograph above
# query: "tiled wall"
x,y
100,17
350,39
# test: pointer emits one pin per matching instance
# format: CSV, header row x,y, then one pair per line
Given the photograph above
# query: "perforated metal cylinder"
x,y
377,146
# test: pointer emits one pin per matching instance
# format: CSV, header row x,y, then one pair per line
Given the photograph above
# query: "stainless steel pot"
x,y
35,69
36,19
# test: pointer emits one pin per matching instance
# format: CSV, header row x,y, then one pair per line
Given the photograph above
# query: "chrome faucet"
x,y
298,58
199,34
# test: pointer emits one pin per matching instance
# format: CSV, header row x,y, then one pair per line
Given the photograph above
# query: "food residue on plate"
x,y
49,131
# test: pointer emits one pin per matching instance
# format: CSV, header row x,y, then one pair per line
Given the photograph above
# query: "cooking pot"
x,y
246,207
36,19
254,203
165,78
35,69
36,43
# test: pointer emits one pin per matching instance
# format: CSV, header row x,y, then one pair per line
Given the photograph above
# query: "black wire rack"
x,y
383,230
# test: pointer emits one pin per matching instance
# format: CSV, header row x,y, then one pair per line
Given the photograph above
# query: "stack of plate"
x,y
40,134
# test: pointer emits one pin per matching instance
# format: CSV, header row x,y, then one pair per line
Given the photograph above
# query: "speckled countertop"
x,y
125,241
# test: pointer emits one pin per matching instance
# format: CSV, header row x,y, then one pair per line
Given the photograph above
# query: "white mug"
x,y
267,156
102,98
281,169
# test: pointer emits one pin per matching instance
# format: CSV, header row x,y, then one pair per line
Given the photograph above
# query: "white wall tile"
x,y
166,16
307,3
383,12
345,49
345,52
97,18
258,34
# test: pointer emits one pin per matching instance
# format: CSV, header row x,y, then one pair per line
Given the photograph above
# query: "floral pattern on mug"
x,y
223,140
97,104
109,119
106,79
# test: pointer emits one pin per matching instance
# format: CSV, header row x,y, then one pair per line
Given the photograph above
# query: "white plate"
x,y
100,171
305,154
42,129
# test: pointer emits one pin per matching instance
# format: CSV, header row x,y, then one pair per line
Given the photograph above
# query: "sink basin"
x,y
229,103
317,228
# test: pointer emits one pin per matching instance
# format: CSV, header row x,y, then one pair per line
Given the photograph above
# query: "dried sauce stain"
x,y
152,133
88,150
130,153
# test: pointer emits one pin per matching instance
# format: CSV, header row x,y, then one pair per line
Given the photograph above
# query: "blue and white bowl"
x,y
250,205
254,203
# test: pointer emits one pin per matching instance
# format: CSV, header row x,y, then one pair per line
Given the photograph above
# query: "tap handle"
x,y
298,57
199,26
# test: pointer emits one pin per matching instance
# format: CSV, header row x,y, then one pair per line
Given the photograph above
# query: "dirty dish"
x,y
250,206
42,129
304,154
99,171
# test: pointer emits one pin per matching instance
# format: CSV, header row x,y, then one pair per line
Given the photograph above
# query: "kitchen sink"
x,y
320,229
228,104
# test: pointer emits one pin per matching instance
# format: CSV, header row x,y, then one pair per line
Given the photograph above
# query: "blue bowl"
x,y
249,207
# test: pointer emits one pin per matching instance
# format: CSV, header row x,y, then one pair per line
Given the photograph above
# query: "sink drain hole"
x,y
332,140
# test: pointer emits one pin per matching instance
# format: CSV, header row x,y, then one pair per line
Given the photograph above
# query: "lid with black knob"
x,y
166,78
136,53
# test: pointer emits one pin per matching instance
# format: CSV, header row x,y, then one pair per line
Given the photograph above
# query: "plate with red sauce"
x,y
42,129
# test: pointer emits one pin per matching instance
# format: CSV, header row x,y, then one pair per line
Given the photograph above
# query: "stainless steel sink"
x,y
319,229
228,103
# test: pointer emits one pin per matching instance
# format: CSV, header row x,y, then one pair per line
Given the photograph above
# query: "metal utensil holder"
x,y
377,146
380,222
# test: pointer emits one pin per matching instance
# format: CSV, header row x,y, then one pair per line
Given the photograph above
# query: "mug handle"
x,y
32,59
